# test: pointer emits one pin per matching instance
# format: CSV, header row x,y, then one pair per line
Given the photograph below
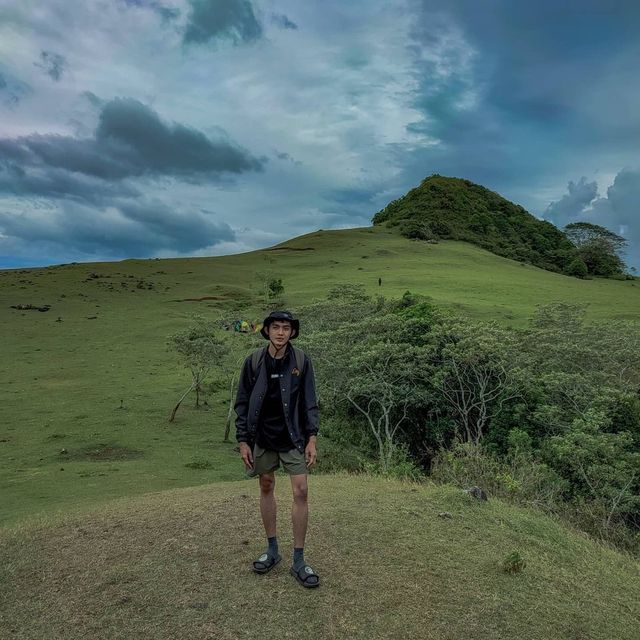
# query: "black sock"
x,y
273,546
298,556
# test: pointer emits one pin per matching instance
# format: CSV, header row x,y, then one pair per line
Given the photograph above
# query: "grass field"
x,y
92,376
176,565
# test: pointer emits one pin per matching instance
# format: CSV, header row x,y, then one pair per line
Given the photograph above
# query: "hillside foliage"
x,y
456,209
548,415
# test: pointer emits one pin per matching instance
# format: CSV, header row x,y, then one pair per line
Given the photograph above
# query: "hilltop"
x,y
457,209
397,560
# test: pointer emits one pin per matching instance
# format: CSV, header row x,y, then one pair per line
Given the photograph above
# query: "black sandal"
x,y
265,563
306,576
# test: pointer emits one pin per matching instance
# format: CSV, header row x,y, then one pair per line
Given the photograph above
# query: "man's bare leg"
x,y
303,573
300,510
268,503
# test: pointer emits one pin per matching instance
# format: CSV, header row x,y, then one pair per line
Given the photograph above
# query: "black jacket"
x,y
299,401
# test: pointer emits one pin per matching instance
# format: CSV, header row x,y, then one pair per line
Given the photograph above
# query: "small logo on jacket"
x,y
295,371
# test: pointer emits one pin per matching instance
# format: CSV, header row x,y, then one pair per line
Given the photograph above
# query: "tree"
x,y
598,247
275,288
271,286
200,350
475,374
362,366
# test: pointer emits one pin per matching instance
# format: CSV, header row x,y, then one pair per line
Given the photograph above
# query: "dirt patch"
x,y
291,249
102,453
31,307
201,299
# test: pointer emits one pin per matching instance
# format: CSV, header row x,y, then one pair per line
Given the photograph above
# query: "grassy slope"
x,y
63,381
176,565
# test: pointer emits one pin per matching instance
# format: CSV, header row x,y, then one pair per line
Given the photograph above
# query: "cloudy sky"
x,y
144,128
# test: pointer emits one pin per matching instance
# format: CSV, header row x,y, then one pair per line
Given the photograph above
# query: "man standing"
x,y
277,422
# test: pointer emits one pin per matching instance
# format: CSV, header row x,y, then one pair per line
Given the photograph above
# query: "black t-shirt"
x,y
272,429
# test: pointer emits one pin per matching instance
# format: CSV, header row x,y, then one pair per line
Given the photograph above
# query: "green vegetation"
x,y
456,209
176,565
89,386
95,370
547,415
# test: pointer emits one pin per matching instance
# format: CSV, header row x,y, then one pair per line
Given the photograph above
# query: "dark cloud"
x,y
510,106
282,21
537,57
93,99
167,149
130,141
571,205
12,90
287,157
222,19
46,182
53,64
166,13
135,229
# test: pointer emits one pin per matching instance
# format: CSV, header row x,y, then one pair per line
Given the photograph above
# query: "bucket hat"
x,y
281,315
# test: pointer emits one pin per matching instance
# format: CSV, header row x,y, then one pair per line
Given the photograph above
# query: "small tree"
x,y
598,247
200,349
270,285
275,288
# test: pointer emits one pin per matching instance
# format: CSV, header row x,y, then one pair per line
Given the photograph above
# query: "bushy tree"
x,y
577,268
475,371
603,470
599,249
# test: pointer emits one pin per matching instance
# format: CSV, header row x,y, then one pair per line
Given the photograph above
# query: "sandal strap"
x,y
266,559
304,574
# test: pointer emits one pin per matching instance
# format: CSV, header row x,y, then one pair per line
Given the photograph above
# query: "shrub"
x,y
577,268
401,466
516,477
513,563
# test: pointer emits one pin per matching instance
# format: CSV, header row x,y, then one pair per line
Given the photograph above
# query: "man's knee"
x,y
267,482
300,491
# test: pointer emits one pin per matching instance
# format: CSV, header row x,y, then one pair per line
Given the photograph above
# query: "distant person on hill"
x,y
277,422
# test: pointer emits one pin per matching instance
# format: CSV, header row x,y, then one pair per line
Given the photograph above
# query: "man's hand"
x,y
310,452
246,455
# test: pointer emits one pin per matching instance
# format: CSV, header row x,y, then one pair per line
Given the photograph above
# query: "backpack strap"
x,y
299,353
256,360
258,356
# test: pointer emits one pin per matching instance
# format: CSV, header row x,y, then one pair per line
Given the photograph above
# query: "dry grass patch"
x,y
176,565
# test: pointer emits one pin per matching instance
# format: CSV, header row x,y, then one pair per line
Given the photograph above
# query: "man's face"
x,y
279,332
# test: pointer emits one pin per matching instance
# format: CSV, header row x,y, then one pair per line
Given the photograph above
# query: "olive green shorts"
x,y
266,461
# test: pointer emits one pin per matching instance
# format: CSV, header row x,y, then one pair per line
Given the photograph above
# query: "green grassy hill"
x,y
457,209
100,383
175,564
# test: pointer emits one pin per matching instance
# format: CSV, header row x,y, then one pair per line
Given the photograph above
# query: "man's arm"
x,y
311,411
242,402
241,408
